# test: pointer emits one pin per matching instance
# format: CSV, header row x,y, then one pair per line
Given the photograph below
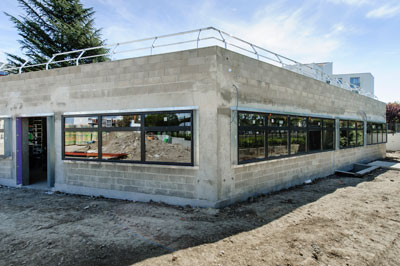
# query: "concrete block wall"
x,y
176,181
267,88
6,168
273,175
263,85
345,157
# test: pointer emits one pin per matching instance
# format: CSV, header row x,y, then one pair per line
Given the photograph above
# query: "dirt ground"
x,y
333,221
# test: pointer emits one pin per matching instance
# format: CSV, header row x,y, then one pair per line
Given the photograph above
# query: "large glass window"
x,y
252,135
278,143
168,146
262,136
369,133
360,134
121,145
162,137
314,140
314,134
298,141
251,119
82,122
351,133
328,134
384,133
81,144
277,121
376,133
251,145
121,121
278,135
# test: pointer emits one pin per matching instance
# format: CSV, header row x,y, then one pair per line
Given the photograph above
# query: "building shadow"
x,y
115,232
210,225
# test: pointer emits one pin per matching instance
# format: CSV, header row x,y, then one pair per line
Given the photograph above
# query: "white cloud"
x,y
385,11
292,33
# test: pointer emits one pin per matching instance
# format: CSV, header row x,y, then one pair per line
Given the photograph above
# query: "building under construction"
x,y
205,126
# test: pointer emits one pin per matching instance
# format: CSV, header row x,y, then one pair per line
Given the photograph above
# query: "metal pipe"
x,y
152,46
198,38
79,57
20,68
223,39
48,62
255,51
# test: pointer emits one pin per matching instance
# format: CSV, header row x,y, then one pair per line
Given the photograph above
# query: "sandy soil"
x,y
333,221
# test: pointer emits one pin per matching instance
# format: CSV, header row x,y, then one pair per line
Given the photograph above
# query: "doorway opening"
x,y
37,142
35,151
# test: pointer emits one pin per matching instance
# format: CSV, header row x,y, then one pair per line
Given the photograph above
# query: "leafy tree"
x,y
54,26
393,112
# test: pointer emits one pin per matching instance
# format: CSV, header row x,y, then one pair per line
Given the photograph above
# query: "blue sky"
x,y
357,35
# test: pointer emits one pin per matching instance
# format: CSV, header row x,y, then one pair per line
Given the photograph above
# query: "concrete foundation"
x,y
200,80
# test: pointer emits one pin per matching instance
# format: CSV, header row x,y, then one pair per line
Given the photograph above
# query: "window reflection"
x,y
298,140
169,146
81,144
277,143
121,121
81,122
121,145
251,145
167,119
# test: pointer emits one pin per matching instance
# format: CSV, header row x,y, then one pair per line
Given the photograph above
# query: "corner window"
x,y
376,133
264,136
159,137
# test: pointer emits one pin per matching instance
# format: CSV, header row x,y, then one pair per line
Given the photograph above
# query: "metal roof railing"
x,y
198,38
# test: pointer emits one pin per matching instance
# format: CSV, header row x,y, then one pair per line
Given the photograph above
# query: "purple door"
x,y
19,151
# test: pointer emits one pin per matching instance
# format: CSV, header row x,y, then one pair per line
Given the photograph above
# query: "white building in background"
x,y
364,81
357,82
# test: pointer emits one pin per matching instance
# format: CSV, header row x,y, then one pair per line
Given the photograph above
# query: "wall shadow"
x,y
211,225
96,231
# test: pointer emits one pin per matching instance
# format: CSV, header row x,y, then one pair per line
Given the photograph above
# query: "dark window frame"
x,y
100,129
371,131
348,128
289,128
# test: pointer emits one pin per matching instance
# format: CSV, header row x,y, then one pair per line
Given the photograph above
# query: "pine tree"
x,y
54,26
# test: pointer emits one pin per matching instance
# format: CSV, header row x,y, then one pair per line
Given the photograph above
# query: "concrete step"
x,y
386,165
